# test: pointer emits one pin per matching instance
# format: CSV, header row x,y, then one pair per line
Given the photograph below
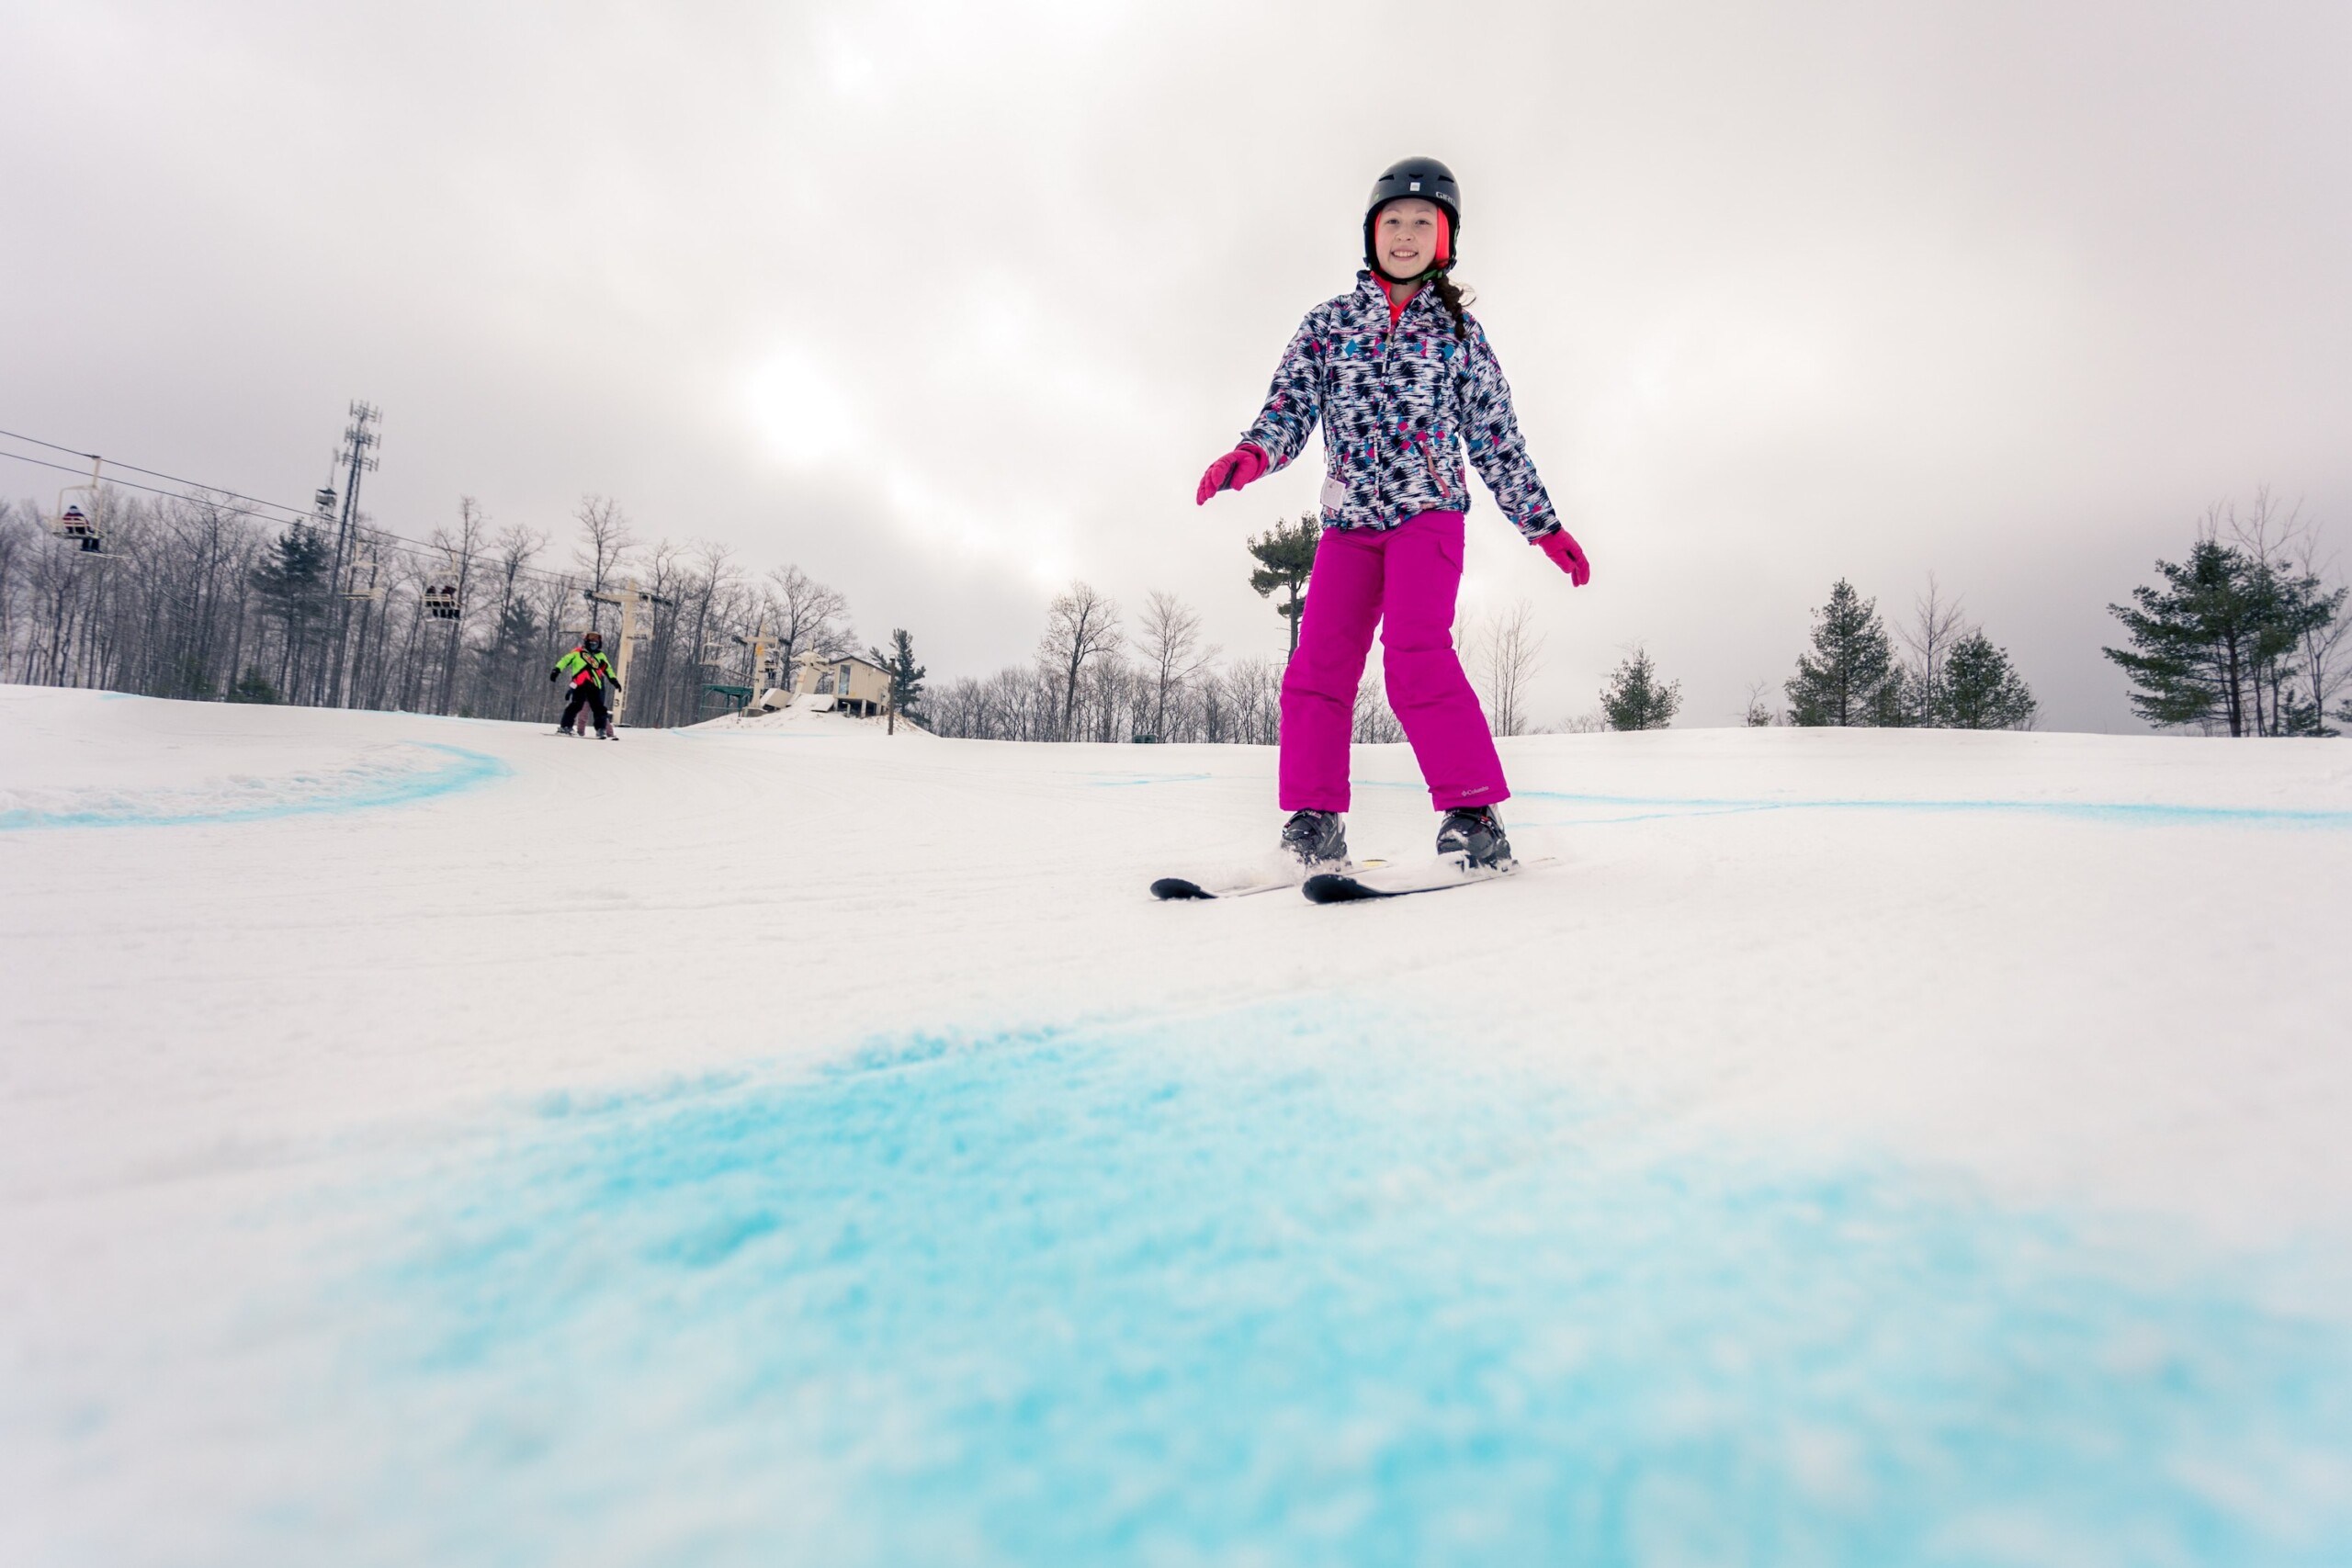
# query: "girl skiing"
x,y
591,673
1403,381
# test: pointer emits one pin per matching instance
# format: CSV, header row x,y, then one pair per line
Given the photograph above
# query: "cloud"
x,y
944,301
802,412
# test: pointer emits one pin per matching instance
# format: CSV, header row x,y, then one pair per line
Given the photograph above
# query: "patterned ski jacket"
x,y
1398,406
584,667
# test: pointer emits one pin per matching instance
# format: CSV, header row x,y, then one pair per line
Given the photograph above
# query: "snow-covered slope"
x,y
433,1140
807,713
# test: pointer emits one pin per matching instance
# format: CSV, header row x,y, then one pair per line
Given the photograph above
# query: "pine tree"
x,y
1634,699
517,649
1285,555
1897,703
1981,690
2193,641
906,675
1845,680
292,584
295,568
516,637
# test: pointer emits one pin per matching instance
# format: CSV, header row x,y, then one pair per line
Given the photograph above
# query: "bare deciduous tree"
x,y
1081,628
2286,547
605,542
1253,700
1506,651
2324,663
1375,724
1936,624
461,548
808,617
1172,653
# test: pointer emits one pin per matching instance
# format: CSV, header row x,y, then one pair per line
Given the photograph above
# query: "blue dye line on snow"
x,y
1302,1284
1127,781
302,795
1657,807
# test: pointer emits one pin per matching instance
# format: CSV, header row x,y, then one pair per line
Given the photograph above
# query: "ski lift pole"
x,y
630,597
756,668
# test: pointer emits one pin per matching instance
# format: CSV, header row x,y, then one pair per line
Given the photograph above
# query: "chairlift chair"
x,y
441,595
75,526
360,581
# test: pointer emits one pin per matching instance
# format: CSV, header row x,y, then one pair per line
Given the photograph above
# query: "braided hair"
x,y
1453,296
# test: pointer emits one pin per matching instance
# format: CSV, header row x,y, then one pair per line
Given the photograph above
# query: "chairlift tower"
x,y
761,644
628,597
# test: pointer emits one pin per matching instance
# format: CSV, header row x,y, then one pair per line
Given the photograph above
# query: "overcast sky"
x,y
951,302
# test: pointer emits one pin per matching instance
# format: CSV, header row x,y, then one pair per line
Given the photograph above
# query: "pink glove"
x,y
1566,555
1243,465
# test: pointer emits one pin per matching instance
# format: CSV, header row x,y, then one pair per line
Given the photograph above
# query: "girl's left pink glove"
x,y
1567,555
1243,465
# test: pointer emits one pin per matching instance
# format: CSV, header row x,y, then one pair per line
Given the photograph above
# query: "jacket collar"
x,y
1374,295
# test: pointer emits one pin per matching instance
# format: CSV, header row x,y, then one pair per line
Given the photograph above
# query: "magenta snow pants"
x,y
1404,580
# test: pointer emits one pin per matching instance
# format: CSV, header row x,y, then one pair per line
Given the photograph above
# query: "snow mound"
x,y
810,714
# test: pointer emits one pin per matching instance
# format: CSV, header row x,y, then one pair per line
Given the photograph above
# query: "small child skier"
x,y
1402,379
589,672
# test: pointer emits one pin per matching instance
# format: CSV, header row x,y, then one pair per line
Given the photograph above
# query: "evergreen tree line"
x,y
1938,670
1946,674
194,598
2245,635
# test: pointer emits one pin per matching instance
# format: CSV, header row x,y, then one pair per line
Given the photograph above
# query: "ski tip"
x,y
1331,889
1178,887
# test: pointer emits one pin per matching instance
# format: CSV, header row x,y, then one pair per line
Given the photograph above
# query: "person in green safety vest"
x,y
589,672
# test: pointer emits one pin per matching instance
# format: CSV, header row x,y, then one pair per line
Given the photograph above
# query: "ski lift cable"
x,y
392,542
151,490
150,473
389,543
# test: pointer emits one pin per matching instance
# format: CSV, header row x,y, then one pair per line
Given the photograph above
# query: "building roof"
x,y
840,659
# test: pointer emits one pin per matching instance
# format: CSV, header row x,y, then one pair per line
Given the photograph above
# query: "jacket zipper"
x,y
1429,459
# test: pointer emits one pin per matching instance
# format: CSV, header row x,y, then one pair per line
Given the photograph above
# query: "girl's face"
x,y
1405,237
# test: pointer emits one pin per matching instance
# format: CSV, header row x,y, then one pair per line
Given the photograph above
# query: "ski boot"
x,y
1317,840
565,731
1476,833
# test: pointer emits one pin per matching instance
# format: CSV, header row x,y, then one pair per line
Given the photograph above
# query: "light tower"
x,y
355,457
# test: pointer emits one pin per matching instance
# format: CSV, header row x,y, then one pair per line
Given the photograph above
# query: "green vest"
x,y
584,667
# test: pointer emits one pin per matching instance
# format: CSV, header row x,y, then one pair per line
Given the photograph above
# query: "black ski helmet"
x,y
593,642
1427,179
